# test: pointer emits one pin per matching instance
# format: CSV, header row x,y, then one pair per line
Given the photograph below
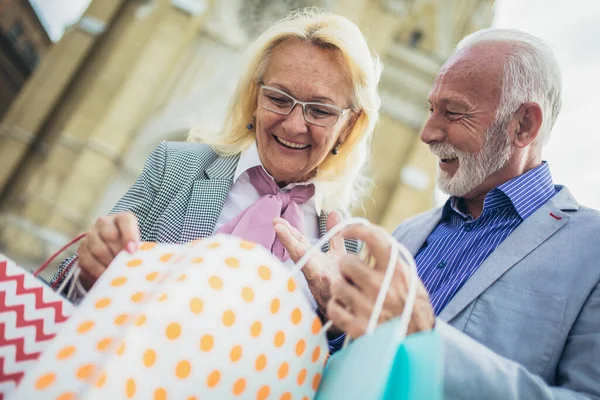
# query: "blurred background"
x,y
89,87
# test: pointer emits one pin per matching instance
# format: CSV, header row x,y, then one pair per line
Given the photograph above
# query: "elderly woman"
x,y
293,146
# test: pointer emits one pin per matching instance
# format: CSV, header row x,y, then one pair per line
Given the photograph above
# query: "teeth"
x,y
292,145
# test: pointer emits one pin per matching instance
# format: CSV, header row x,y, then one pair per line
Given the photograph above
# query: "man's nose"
x,y
433,131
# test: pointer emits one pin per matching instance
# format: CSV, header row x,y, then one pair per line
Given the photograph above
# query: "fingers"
x,y
352,298
337,242
292,245
296,234
376,239
358,273
127,225
345,320
91,266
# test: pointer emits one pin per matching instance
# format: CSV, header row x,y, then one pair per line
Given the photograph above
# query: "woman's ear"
x,y
348,127
529,120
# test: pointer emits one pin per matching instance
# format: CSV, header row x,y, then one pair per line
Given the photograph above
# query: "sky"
x,y
572,28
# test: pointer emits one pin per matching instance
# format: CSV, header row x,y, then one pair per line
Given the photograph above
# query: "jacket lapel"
x,y
532,232
207,198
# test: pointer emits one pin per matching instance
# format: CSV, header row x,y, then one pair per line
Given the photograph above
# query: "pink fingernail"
x,y
131,247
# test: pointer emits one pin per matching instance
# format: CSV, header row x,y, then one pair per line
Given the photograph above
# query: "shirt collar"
x,y
525,193
249,158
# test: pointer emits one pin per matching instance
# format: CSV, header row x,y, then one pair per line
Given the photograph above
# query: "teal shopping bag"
x,y
382,366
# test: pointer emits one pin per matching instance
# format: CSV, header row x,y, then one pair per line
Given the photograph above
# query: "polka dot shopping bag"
x,y
218,318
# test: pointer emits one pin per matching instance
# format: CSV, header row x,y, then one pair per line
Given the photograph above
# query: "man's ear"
x,y
529,120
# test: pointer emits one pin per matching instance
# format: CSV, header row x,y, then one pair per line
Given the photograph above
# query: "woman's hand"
x,y
104,241
322,268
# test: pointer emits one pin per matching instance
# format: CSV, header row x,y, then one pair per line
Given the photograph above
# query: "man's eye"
x,y
453,114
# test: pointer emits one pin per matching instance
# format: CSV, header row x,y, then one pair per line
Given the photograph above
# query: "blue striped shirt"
x,y
460,244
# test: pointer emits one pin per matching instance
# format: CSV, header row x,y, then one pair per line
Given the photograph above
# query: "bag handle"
x,y
396,249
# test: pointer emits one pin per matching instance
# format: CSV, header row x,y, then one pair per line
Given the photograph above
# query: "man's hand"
x,y
354,296
322,268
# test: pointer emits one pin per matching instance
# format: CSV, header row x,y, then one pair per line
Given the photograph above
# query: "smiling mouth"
x,y
291,145
448,160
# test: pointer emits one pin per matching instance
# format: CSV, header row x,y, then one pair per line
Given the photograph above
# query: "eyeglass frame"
x,y
342,111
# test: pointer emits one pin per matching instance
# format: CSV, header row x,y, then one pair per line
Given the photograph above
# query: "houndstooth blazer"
x,y
180,195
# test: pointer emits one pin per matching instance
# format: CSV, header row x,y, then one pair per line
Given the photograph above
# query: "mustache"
x,y
444,150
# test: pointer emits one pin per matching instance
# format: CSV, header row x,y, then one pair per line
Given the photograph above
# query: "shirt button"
x,y
468,227
441,264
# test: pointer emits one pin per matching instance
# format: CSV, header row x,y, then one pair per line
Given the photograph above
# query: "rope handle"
x,y
53,256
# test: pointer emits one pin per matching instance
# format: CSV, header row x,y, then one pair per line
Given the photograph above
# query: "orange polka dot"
x,y
228,318
275,303
147,246
264,272
173,331
207,342
160,394
151,276
66,352
45,381
130,388
137,297
316,382
255,329
120,281
85,326
101,380
316,325
236,353
66,396
305,398
286,396
213,379
102,303
296,316
215,282
279,339
196,305
247,245
103,344
283,370
301,377
192,398
263,393
316,354
85,371
134,263
183,369
149,358
121,349
162,297
141,320
166,257
198,260
182,277
213,245
247,294
239,386
300,347
121,319
261,362
232,262
291,285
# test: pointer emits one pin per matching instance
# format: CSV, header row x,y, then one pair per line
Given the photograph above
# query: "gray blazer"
x,y
180,194
526,325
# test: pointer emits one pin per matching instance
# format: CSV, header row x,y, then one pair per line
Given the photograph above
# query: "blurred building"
x,y
132,73
23,41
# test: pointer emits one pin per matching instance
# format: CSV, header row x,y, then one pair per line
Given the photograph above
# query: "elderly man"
x,y
509,266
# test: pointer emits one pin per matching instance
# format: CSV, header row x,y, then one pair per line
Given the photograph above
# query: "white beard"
x,y
473,169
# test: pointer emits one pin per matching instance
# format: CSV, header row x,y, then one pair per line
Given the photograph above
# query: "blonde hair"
x,y
340,179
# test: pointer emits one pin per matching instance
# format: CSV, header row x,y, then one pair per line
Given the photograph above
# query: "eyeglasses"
x,y
320,114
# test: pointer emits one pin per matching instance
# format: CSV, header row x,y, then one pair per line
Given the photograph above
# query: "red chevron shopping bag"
x,y
31,314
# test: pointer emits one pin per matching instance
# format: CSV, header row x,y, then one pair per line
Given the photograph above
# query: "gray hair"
x,y
531,74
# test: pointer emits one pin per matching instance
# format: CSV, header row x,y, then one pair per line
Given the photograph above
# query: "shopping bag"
x,y
385,364
217,318
31,314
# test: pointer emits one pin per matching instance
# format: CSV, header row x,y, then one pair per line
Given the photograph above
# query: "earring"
x,y
335,149
250,126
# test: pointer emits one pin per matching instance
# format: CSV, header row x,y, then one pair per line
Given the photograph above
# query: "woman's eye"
x,y
279,101
318,112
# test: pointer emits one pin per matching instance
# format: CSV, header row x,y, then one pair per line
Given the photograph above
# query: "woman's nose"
x,y
294,122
